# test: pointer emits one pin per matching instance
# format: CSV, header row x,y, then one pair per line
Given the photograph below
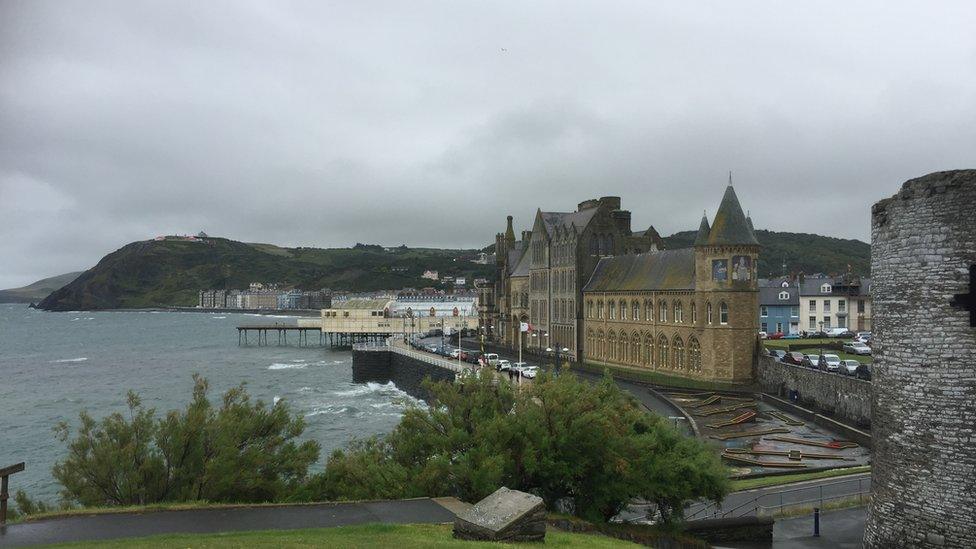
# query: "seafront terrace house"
x,y
779,306
836,302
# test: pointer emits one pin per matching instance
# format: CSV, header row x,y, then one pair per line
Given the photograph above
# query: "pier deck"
x,y
260,331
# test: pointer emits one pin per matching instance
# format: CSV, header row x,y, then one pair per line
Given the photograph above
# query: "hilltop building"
x,y
584,281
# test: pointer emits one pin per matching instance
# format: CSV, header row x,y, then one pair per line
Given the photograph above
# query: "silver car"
x,y
830,363
849,366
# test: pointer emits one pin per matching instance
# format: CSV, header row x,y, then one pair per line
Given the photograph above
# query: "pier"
x,y
258,334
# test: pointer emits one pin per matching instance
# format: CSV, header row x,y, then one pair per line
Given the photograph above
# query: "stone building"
x,y
688,312
923,264
541,276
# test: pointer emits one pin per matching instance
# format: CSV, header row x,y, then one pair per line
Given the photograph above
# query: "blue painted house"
x,y
779,306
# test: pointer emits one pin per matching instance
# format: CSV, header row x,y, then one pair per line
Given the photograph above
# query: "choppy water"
x,y
53,365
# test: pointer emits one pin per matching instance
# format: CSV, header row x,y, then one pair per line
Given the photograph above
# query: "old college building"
x,y
586,283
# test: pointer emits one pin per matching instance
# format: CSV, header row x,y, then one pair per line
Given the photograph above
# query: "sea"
x,y
55,365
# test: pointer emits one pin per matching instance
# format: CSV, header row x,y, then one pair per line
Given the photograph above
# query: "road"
x,y
233,519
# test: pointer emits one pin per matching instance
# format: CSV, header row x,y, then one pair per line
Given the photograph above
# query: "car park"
x,y
863,372
829,363
849,366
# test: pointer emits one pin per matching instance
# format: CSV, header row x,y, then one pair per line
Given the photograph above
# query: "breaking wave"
x,y
288,366
62,360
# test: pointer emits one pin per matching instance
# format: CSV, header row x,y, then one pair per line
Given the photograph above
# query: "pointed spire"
x,y
730,225
509,231
749,222
703,230
730,178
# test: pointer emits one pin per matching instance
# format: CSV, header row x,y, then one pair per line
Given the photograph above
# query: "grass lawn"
x,y
785,343
406,536
761,482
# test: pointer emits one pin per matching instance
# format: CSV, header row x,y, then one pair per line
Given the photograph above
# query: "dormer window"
x,y
785,284
784,295
825,289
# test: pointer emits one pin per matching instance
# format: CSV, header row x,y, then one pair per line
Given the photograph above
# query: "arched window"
x,y
649,350
635,349
662,311
613,309
599,344
708,313
694,355
679,354
622,353
662,349
611,345
589,308
594,244
723,313
590,342
649,310
635,310
623,310
678,314
599,309
694,313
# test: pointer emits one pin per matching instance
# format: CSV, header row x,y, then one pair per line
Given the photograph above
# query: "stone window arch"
x,y
694,313
599,308
662,311
590,342
679,353
622,352
662,351
694,355
648,310
723,313
635,311
649,350
600,343
623,310
678,313
708,312
589,308
612,306
635,349
611,345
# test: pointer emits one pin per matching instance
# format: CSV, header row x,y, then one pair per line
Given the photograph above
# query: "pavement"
x,y
228,519
841,529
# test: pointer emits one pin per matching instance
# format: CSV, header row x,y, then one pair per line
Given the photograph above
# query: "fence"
x,y
391,345
772,503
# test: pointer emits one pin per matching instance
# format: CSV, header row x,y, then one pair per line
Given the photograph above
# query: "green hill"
x,y
171,272
37,291
808,253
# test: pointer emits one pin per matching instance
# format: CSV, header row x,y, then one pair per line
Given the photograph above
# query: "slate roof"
x,y
578,219
660,270
522,267
730,226
703,229
770,295
516,253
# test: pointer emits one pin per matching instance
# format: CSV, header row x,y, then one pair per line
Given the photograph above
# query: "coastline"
x,y
265,312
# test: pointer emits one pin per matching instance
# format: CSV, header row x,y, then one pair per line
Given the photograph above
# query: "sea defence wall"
x,y
844,397
382,365
923,266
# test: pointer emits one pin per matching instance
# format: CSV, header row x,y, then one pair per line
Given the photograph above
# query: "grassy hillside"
x,y
38,290
808,253
170,273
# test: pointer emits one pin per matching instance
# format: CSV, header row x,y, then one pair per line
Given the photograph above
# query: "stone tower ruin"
x,y
923,253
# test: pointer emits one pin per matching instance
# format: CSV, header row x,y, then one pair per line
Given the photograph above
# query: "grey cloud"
x,y
308,123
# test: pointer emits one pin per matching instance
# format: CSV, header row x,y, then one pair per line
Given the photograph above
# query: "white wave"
x,y
299,360
333,410
79,359
386,389
74,319
305,389
338,361
275,400
218,317
282,366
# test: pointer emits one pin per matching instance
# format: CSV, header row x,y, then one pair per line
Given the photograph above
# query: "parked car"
x,y
491,359
455,353
863,335
503,365
863,372
431,348
794,335
794,357
472,357
811,361
840,332
519,366
530,371
829,363
849,366
779,354
776,335
815,335
857,348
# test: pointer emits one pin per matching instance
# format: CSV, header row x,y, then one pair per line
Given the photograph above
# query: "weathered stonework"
x,y
924,401
845,397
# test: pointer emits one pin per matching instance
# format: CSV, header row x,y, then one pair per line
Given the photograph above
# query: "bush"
x,y
561,438
241,452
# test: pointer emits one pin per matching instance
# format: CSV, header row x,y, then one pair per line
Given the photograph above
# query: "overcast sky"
x,y
425,123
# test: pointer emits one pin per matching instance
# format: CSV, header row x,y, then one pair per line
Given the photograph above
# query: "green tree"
x,y
562,438
243,451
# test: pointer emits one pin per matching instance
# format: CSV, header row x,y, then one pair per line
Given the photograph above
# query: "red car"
x,y
776,335
794,357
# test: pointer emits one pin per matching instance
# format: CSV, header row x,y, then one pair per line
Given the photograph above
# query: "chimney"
x,y
526,236
622,219
509,232
610,202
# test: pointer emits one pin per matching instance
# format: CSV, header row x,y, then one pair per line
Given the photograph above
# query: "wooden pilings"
x,y
258,335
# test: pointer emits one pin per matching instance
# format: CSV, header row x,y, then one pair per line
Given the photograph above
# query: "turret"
x,y
727,250
703,230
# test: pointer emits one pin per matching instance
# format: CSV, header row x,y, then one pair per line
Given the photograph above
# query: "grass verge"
x,y
401,536
762,482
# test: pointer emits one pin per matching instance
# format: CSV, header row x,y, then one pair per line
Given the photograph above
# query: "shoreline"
x,y
307,313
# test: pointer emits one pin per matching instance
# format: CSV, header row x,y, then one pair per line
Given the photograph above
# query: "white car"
x,y
502,365
530,371
856,348
519,366
830,363
849,366
491,359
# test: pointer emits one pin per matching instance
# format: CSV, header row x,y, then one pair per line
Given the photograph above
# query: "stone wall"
x,y
844,397
924,409
406,373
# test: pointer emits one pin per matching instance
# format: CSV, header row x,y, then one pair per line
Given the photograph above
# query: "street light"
x,y
556,352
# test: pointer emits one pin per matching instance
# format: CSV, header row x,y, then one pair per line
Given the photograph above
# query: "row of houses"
x,y
260,297
793,305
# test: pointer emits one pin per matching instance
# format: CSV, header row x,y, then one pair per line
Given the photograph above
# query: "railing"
x,y
771,503
371,346
390,346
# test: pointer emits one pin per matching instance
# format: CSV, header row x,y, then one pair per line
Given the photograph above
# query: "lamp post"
x,y
555,352
821,334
